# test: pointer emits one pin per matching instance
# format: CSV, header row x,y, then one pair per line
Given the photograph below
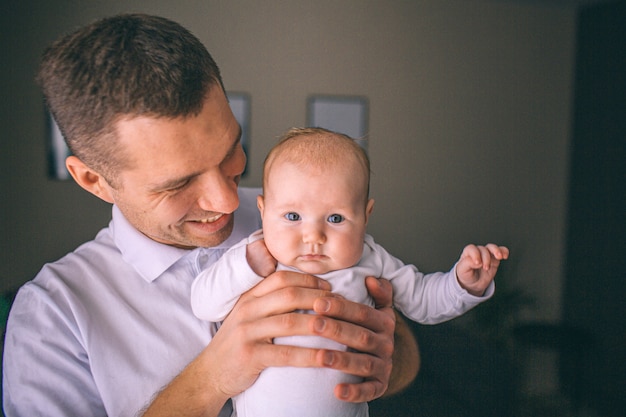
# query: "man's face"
x,y
180,187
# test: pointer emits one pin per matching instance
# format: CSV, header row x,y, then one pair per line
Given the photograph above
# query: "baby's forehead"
x,y
332,175
346,164
321,152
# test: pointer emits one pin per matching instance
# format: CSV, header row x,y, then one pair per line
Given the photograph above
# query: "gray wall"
x,y
470,114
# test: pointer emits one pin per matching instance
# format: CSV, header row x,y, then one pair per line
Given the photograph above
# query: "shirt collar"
x,y
151,259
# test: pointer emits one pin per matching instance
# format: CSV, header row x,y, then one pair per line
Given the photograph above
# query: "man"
x,y
108,329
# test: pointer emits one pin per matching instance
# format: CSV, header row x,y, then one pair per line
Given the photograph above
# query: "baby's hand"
x,y
260,259
478,266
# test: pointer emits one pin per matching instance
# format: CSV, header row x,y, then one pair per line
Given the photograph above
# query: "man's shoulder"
x,y
91,255
58,284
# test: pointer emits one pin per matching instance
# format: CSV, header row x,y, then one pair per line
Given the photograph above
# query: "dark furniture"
x,y
460,376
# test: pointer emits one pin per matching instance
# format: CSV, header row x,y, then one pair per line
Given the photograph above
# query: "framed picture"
x,y
343,114
240,106
57,151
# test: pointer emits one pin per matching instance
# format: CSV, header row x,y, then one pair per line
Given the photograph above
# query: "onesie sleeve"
x,y
215,290
426,298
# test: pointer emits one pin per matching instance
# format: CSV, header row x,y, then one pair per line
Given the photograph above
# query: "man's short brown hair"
x,y
123,66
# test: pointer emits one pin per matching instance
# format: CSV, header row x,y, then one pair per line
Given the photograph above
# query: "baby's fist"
x,y
478,266
260,259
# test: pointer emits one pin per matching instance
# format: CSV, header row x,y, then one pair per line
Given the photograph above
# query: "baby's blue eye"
x,y
292,217
335,218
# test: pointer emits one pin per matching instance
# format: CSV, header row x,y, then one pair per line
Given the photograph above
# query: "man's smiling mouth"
x,y
211,219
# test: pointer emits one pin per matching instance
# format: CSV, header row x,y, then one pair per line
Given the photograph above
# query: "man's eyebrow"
x,y
236,143
177,182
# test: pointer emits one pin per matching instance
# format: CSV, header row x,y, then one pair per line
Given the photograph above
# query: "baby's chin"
x,y
317,268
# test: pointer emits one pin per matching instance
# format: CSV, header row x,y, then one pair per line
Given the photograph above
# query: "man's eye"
x,y
178,187
335,218
292,217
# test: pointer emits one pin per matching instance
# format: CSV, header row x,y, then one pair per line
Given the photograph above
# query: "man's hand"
x,y
243,347
366,330
478,265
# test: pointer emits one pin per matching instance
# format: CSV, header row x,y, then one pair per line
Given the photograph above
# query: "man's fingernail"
x,y
323,285
329,358
322,306
343,392
320,324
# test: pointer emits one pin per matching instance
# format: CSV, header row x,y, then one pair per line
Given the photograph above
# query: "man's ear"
x,y
260,203
368,209
89,179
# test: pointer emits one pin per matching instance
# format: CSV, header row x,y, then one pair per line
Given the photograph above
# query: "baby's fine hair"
x,y
319,147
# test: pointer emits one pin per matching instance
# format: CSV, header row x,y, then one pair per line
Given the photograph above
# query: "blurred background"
x,y
489,121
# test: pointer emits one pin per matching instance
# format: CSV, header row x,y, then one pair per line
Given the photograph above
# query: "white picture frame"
x,y
344,114
240,105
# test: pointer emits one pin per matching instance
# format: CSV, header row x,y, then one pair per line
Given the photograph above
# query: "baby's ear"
x,y
260,203
368,209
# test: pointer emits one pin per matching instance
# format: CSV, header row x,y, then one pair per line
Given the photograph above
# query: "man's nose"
x,y
219,195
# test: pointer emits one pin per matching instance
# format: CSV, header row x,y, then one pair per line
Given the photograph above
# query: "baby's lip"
x,y
313,257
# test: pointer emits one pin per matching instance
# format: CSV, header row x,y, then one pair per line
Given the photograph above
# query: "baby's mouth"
x,y
313,256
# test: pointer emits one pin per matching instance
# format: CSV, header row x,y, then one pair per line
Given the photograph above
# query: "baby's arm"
x,y
438,297
478,265
215,290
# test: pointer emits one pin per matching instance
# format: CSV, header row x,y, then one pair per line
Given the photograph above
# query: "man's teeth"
x,y
211,219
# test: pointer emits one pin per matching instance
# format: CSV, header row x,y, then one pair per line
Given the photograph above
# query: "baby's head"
x,y
315,204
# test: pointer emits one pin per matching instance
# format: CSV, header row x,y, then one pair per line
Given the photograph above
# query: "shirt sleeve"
x,y
215,290
46,368
427,298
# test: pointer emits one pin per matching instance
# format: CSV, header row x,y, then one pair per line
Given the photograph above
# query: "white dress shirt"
x,y
102,330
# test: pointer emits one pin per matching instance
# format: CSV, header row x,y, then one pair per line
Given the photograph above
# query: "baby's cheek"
x,y
351,255
281,249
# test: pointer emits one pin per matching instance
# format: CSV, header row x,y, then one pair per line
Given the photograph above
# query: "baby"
x,y
315,208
